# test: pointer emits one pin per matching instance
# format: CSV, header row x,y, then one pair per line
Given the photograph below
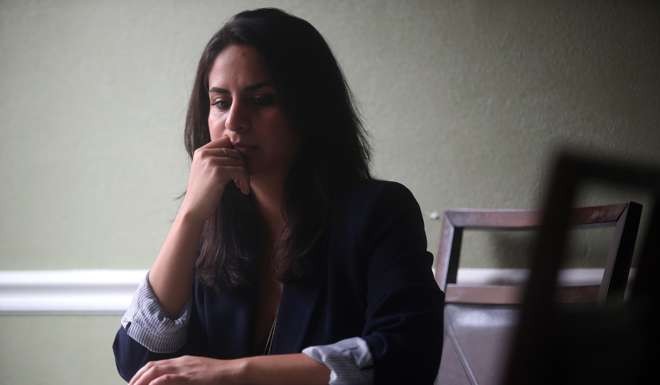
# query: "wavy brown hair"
x,y
333,152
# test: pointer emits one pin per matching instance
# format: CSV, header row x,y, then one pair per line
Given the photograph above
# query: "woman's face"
x,y
246,108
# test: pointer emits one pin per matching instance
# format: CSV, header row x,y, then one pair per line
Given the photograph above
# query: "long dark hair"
x,y
333,152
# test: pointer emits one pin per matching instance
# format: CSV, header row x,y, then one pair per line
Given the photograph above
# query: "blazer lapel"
x,y
294,316
234,311
298,302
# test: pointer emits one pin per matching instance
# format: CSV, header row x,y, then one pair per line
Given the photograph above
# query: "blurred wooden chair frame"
x,y
480,318
612,344
624,217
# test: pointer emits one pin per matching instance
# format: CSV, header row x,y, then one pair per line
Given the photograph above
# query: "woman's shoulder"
x,y
373,212
374,200
371,192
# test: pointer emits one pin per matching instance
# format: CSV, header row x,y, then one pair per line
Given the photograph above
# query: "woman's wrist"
x,y
289,369
187,217
240,371
234,372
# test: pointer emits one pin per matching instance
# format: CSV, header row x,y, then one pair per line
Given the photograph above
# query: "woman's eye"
x,y
221,104
264,100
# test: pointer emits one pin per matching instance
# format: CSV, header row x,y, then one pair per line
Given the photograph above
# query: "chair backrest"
x,y
624,217
480,319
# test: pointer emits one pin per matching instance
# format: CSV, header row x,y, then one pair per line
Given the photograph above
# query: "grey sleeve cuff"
x,y
349,361
146,322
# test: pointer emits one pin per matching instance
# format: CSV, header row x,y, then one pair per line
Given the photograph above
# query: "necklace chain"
x,y
271,333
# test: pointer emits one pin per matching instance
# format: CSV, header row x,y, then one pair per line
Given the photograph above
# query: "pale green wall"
x,y
57,350
464,101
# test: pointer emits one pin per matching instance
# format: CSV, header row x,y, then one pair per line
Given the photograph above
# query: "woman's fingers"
x,y
243,186
148,372
222,161
232,169
168,379
222,146
220,142
218,152
185,370
213,166
240,177
163,372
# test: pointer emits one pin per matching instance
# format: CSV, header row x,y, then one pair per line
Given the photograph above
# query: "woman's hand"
x,y
213,166
188,370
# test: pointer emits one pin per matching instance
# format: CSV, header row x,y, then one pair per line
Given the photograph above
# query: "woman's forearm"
x,y
284,369
171,274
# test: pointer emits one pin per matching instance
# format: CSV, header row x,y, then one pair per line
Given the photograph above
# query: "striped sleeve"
x,y
146,322
349,361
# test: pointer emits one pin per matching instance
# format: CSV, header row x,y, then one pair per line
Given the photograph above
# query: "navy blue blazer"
x,y
373,279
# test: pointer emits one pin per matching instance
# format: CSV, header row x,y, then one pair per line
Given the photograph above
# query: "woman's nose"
x,y
237,117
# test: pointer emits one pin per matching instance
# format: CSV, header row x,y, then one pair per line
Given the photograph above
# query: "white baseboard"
x,y
108,292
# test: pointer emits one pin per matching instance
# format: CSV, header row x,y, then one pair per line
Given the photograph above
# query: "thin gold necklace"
x,y
273,326
271,333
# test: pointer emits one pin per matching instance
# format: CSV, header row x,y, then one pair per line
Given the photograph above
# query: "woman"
x,y
286,263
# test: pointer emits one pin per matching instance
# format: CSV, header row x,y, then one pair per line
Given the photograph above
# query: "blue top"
x,y
372,280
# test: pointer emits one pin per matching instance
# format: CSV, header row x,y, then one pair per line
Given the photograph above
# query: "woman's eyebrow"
x,y
250,88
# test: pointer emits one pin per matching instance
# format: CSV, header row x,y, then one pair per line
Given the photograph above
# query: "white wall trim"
x,y
109,292
582,276
67,291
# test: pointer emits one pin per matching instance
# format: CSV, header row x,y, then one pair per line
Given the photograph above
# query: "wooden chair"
x,y
479,319
617,342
